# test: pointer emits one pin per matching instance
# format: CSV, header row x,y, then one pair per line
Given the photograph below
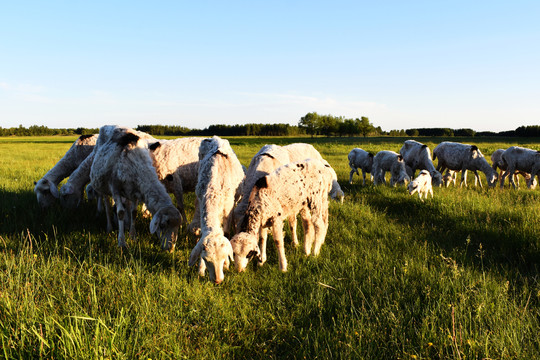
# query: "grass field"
x,y
454,277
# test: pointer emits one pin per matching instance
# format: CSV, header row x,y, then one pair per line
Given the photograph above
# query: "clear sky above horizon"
x,y
403,64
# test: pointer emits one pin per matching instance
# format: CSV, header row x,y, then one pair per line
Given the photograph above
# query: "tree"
x,y
364,126
310,122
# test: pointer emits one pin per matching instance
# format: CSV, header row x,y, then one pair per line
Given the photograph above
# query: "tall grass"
x,y
452,277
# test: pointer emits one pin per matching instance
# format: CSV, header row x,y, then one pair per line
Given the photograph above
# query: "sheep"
x,y
391,161
122,168
521,159
299,187
268,159
177,162
46,188
417,156
360,159
422,185
220,178
463,157
449,177
71,194
498,162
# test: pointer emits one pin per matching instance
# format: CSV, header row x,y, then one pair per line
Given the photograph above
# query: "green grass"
x,y
454,277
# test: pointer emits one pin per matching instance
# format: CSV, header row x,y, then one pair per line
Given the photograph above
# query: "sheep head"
x,y
436,178
245,247
46,192
165,222
69,198
215,251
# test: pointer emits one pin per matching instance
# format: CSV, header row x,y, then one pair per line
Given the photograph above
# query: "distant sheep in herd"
x,y
421,185
498,162
463,157
523,160
417,156
280,183
389,161
360,159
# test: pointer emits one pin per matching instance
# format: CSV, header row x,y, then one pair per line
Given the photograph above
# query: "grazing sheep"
x,y
220,178
524,160
421,184
177,163
122,168
300,187
46,188
498,162
463,157
71,194
268,159
449,177
391,161
418,156
360,159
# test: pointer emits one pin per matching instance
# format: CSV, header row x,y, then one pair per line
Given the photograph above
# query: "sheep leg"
x,y
108,213
120,213
363,177
277,229
351,175
309,231
292,225
504,175
133,213
263,236
195,226
463,178
179,196
320,224
477,179
510,171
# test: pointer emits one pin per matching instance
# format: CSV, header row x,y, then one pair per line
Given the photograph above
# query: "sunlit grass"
x,y
452,277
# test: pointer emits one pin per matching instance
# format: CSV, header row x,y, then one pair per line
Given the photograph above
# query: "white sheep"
x,y
391,161
497,162
220,178
463,157
300,187
268,159
46,188
449,177
418,156
360,159
71,194
521,159
177,163
122,168
422,185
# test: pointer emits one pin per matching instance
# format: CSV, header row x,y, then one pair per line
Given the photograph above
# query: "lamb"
x,y
417,156
300,187
391,161
521,159
463,157
449,177
177,163
360,159
268,159
46,188
122,168
422,185
220,178
498,162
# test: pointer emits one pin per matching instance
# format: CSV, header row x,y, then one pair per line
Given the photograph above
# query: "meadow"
x,y
454,277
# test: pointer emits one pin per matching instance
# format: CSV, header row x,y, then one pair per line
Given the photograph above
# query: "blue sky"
x,y
403,64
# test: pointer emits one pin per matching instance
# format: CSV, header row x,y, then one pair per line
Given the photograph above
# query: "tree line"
x,y
311,124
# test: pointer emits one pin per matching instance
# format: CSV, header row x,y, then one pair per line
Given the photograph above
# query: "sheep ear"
x,y
53,189
154,224
262,183
230,251
196,253
35,182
